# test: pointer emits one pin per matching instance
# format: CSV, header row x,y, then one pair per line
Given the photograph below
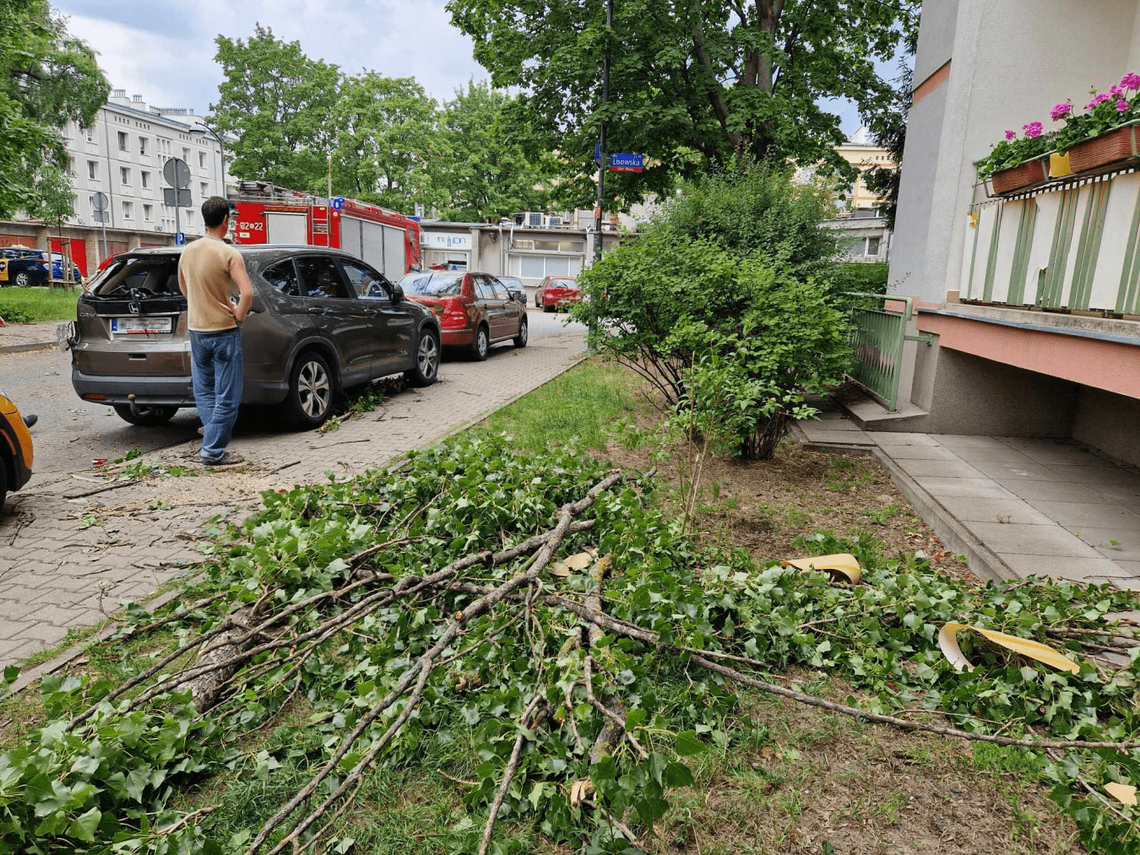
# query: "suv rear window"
x,y
146,276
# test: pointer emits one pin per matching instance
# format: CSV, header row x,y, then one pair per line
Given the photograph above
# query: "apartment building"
x,y
122,154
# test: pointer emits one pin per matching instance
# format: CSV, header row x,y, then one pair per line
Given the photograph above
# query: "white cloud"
x,y
165,51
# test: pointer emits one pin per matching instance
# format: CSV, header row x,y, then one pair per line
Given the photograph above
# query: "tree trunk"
x,y
761,442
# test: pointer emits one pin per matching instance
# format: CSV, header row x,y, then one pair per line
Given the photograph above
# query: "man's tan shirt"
x,y
204,274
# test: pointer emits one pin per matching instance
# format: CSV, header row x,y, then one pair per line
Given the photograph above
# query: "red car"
x,y
475,310
557,292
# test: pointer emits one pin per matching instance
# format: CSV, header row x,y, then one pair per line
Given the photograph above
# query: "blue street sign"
x,y
179,238
626,162
338,202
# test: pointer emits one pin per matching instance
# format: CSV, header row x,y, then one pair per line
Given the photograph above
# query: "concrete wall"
x,y
935,37
1108,422
1011,61
969,395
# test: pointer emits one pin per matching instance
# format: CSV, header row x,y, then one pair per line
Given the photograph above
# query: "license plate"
x,y
141,326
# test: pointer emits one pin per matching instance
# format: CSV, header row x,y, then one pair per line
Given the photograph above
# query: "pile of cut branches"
x,y
547,622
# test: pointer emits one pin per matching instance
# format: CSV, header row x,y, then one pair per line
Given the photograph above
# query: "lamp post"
x,y
203,127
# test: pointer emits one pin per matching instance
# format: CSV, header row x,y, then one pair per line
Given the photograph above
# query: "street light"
x,y
202,128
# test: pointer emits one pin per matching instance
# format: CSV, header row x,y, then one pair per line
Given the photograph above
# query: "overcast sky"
x,y
164,51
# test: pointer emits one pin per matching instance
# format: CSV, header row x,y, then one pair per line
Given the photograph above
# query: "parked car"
x,y
22,266
475,309
516,287
309,333
557,292
16,456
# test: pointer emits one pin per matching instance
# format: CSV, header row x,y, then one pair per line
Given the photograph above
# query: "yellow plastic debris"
x,y
841,566
579,790
1123,793
948,642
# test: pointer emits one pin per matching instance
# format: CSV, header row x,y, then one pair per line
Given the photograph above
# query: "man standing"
x,y
207,273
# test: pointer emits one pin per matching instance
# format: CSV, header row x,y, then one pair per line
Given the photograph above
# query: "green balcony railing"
x,y
877,337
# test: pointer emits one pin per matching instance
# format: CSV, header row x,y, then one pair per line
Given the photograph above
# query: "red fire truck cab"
x,y
267,214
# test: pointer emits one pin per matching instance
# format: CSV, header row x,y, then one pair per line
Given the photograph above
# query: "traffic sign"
x,y
337,203
627,162
182,200
179,238
99,202
101,217
176,173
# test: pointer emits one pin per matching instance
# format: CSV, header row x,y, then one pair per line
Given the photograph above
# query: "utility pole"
x,y
602,135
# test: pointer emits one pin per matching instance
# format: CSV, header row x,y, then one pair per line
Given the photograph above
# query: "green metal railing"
x,y
877,337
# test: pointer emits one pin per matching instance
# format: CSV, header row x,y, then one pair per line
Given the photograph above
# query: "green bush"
x,y
868,278
725,306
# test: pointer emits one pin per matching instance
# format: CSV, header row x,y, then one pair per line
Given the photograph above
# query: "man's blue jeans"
x,y
217,375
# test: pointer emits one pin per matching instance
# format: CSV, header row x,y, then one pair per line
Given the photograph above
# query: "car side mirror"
x,y
397,293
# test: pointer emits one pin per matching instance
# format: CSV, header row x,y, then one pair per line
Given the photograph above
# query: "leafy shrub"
x,y
868,278
725,306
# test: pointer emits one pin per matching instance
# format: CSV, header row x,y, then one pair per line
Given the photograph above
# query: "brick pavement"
x,y
71,551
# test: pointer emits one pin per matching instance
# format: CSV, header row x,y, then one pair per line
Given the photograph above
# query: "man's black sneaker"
x,y
228,458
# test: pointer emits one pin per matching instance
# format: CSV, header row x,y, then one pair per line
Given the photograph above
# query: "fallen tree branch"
x,y
509,772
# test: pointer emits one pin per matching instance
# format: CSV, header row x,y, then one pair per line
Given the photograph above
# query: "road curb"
x,y
28,348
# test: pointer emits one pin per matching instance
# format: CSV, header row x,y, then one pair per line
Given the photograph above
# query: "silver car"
x,y
307,334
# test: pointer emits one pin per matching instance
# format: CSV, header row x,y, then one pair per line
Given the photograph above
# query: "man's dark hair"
x,y
214,210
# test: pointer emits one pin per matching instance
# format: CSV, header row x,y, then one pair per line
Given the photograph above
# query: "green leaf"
x,y
678,775
83,827
687,744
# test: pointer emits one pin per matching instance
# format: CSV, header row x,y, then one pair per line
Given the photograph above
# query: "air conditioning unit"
x,y
553,222
529,219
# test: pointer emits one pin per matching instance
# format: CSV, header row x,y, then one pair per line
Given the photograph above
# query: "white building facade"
x,y
122,155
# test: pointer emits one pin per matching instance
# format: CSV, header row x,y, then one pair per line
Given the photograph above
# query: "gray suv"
x,y
307,335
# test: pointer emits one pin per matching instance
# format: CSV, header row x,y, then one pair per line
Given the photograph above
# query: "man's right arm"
x,y
181,279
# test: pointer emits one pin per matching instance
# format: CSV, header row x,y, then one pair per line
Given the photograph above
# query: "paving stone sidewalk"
x,y
1016,506
72,550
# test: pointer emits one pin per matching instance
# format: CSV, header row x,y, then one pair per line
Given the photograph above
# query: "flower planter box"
x,y
1024,175
1114,147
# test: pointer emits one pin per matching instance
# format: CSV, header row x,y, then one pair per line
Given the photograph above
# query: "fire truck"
x,y
267,214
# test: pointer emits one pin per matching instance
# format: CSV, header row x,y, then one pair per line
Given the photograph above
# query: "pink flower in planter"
x,y
1010,135
1116,89
1131,81
1099,99
1033,129
1121,105
1060,111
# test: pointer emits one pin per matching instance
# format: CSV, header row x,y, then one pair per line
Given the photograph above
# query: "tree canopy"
x,y
47,77
691,83
279,104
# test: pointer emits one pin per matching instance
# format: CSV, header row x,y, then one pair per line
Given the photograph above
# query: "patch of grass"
x,y
37,303
584,402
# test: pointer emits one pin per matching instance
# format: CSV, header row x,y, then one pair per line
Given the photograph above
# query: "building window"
x,y
186,155
205,190
148,213
71,166
122,141
125,174
873,246
202,160
190,216
128,210
143,145
87,132
145,177
92,169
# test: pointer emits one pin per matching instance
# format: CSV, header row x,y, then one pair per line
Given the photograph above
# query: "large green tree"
x,y
490,173
388,148
279,104
692,82
47,77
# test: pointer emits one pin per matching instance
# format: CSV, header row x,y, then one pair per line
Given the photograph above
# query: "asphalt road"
x,y
72,433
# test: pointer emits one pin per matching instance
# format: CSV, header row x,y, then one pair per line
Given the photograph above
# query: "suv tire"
x,y
145,416
23,279
3,478
426,370
309,400
524,334
481,345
